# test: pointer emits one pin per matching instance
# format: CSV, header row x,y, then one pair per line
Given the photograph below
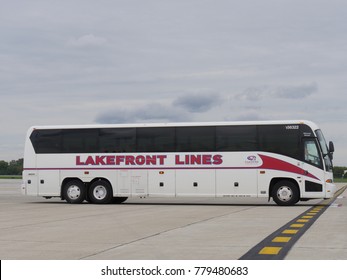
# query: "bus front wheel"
x,y
285,193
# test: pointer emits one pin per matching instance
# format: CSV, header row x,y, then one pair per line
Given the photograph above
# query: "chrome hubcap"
x,y
284,193
100,192
74,192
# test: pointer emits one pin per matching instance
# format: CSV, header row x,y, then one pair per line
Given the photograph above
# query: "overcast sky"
x,y
125,61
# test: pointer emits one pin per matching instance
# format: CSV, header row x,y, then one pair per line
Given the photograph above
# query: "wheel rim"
x,y
100,192
73,192
284,193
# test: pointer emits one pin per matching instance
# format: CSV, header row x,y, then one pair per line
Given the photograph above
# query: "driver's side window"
x,y
311,153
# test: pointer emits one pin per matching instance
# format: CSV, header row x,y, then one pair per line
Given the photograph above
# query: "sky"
x,y
132,61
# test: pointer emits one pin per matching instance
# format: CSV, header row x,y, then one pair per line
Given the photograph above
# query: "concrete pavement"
x,y
199,228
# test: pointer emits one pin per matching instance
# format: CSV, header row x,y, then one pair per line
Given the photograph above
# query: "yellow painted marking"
x,y
290,231
281,239
270,251
296,225
310,213
307,217
302,220
315,211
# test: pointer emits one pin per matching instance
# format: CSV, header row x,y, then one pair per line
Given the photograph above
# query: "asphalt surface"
x,y
161,229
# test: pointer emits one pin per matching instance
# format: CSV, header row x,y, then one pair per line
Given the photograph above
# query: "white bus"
x,y
284,160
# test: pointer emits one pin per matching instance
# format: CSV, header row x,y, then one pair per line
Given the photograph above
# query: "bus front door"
x,y
314,174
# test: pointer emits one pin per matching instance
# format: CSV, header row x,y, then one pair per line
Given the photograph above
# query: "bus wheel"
x,y
100,192
74,192
285,193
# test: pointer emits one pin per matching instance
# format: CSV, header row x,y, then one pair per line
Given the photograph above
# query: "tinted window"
x,y
117,140
46,141
281,139
306,131
195,139
236,138
155,139
80,141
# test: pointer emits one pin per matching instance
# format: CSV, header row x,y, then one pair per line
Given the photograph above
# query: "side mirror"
x,y
331,150
331,147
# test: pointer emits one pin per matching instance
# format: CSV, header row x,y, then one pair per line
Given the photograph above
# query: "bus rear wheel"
x,y
100,192
74,192
285,193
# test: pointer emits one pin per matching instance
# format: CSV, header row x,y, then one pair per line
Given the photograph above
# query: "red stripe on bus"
x,y
277,164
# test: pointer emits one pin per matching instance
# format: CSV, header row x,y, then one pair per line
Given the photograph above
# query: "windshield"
x,y
322,142
325,151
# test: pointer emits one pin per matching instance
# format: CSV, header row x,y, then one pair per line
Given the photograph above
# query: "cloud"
x,y
296,92
198,102
181,109
252,94
279,92
152,112
88,40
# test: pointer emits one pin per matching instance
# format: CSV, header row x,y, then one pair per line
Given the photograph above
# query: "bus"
x,y
288,161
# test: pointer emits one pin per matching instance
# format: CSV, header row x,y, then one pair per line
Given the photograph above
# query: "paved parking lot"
x,y
35,228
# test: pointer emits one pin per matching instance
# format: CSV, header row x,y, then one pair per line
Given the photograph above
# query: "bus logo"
x,y
251,158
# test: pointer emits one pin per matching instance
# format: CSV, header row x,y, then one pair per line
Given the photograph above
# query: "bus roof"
x,y
178,124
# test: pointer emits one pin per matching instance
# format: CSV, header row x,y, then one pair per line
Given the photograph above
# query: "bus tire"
x,y
74,192
285,193
100,192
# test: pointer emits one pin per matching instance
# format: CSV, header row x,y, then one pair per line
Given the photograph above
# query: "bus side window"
x,y
311,153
